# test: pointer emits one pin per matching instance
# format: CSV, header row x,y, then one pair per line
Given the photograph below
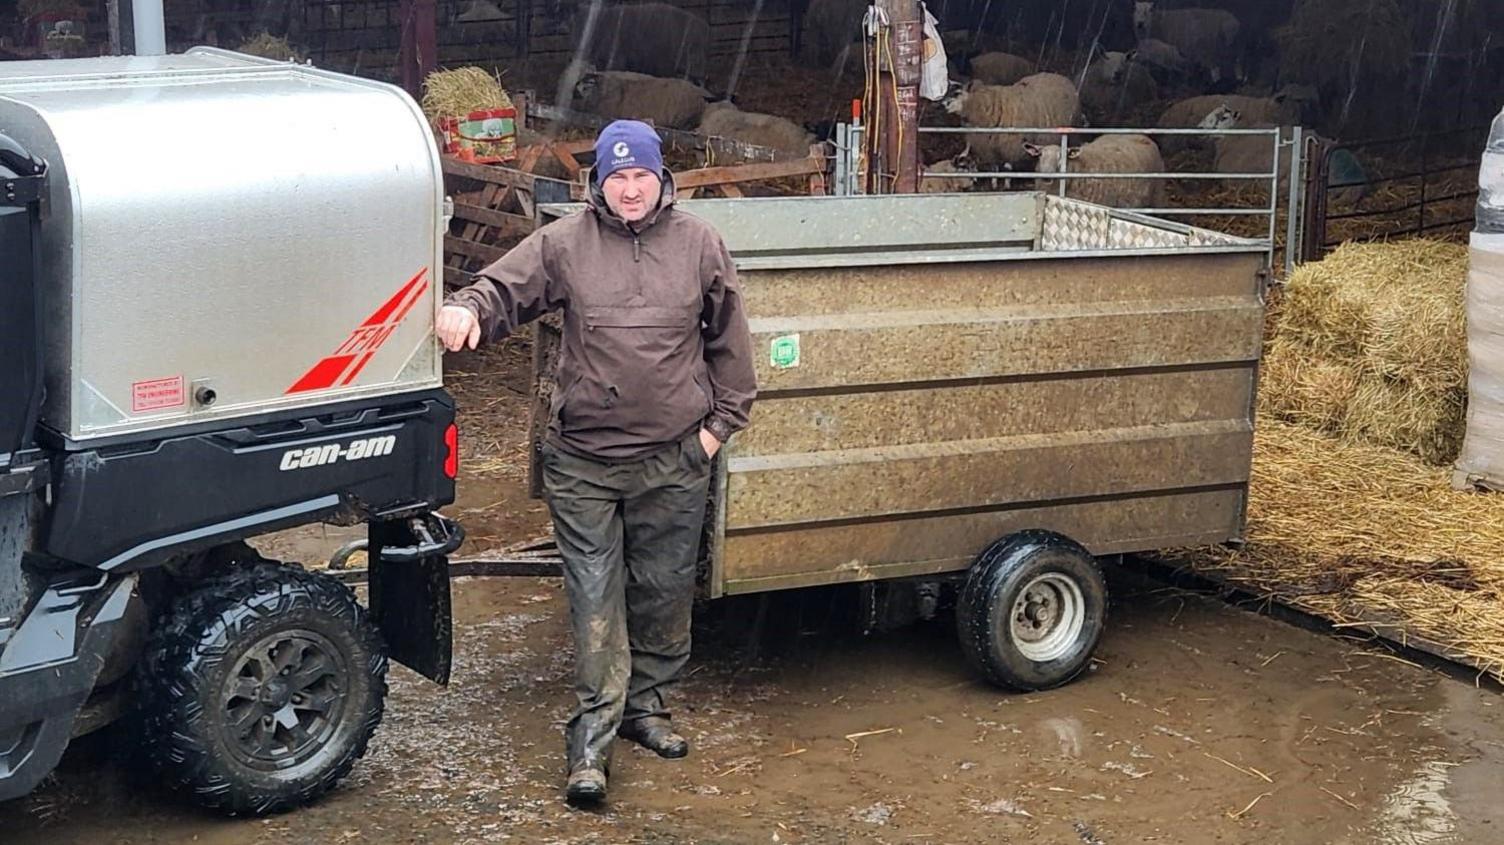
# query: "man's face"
x,y
632,192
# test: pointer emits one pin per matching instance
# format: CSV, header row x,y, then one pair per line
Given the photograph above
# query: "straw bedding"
x,y
1363,534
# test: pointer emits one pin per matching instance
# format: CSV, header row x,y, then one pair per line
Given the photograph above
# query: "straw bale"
x,y
1371,344
1298,387
458,92
269,46
1397,415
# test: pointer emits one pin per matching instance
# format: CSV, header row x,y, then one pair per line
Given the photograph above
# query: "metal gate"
x,y
1420,184
1286,145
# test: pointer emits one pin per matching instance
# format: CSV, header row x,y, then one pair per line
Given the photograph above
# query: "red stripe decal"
x,y
362,344
359,365
417,295
323,374
391,304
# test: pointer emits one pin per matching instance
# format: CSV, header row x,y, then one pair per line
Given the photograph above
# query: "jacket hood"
x,y
596,199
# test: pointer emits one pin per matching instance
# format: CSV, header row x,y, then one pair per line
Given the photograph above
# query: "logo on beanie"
x,y
621,150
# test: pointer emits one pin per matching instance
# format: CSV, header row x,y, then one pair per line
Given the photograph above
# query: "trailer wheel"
x,y
1031,611
261,688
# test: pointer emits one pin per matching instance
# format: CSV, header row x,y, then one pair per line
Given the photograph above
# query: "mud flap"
x,y
410,603
47,671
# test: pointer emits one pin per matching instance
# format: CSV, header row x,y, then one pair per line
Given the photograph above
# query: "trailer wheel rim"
x,y
285,699
1047,618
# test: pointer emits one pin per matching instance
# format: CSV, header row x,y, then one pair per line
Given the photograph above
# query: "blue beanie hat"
x,y
627,143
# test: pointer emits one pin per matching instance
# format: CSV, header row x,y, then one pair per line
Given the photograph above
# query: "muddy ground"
x,y
1199,723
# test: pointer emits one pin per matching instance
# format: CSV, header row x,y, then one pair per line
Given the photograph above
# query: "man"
x,y
655,373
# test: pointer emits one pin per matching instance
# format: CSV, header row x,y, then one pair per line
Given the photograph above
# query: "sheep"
x,y
998,68
1223,116
616,94
1107,154
1281,109
1250,154
1113,86
830,28
949,184
1042,100
1253,110
653,38
725,120
1208,37
1164,60
970,42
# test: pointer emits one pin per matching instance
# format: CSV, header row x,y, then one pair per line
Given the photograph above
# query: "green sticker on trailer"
x,y
784,352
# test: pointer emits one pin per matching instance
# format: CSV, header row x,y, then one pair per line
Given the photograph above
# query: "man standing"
x,y
654,375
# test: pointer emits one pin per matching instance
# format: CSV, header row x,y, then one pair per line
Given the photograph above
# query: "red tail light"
x,y
452,460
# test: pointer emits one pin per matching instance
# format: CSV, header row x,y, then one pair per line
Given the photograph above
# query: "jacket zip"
x,y
636,249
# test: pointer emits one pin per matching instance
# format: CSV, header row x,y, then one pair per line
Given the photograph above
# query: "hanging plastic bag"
x,y
934,79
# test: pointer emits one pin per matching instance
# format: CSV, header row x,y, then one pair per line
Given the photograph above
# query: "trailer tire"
x,y
261,688
1031,611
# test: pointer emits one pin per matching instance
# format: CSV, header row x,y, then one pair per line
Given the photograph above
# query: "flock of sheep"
x,y
659,54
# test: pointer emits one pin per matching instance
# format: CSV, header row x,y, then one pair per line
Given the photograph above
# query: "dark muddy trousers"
x,y
629,534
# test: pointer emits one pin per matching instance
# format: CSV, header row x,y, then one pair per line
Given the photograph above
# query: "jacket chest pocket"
x,y
639,317
640,361
639,334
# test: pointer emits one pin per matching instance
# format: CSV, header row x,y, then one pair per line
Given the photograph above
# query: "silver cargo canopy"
x,y
262,233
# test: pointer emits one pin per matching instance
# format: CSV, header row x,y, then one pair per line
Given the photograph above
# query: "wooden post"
x,y
899,79
418,56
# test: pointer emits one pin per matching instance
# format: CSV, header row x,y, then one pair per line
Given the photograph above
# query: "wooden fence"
x,y
494,207
362,36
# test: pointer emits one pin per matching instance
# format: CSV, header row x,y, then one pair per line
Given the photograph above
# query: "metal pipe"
x,y
843,139
1274,196
150,27
1297,191
1207,212
1472,165
1081,130
1065,156
1411,206
1034,174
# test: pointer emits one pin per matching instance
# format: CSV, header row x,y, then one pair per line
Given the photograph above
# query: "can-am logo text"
x,y
317,456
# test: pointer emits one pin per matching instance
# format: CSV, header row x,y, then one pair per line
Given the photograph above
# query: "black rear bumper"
x,y
133,505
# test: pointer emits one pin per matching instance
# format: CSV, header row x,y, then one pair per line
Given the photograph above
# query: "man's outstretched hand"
x,y
457,328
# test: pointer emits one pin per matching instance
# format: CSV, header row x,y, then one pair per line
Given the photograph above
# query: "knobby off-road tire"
x,y
1031,611
261,688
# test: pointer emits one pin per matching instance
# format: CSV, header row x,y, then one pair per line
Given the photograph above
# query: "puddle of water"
x,y
1417,812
